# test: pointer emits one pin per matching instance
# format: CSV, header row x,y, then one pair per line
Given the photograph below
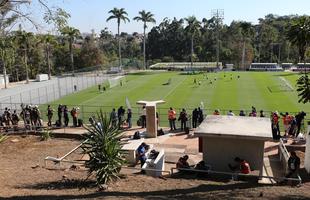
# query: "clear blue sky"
x,y
92,14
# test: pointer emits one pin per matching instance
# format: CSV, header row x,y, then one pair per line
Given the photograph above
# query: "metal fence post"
x,y
59,87
54,92
30,99
46,94
39,95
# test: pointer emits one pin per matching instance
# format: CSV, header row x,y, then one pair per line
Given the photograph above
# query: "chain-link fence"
x,y
87,111
48,91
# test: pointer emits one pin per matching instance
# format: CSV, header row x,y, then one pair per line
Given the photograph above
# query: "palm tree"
x,y
103,146
246,30
23,39
192,28
48,40
299,35
145,17
71,33
119,15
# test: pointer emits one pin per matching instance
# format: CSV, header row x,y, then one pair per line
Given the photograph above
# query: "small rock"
x,y
35,166
64,177
103,187
74,167
15,140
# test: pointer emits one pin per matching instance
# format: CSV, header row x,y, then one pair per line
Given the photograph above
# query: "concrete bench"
x,y
158,164
130,150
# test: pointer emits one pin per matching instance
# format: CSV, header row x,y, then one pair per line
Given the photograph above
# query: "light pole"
x,y
219,16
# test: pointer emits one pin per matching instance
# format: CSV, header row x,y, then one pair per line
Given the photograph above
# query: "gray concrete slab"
x,y
235,127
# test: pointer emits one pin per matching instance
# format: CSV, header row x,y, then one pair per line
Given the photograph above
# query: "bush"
x,y
46,135
103,147
2,138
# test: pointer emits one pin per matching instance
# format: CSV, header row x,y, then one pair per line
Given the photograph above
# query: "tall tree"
x,y
192,28
246,30
48,41
299,35
71,33
145,17
23,39
119,15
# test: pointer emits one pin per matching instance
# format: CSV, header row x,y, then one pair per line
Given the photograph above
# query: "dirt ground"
x,y
23,176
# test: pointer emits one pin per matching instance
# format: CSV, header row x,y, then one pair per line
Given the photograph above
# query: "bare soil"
x,y
23,176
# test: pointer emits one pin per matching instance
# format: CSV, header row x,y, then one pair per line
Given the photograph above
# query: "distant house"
x,y
186,66
265,67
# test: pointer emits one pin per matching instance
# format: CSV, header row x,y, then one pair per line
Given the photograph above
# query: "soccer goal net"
x,y
116,81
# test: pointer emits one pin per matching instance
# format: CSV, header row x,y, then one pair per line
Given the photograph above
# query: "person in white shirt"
x,y
230,113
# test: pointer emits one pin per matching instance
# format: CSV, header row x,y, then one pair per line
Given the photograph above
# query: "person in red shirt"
x,y
242,166
216,112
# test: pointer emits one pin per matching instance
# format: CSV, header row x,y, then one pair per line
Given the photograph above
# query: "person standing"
x,y
241,113
74,114
275,125
230,113
143,117
129,117
286,122
113,117
15,120
216,112
299,118
50,112
183,119
172,117
194,118
66,116
261,113
200,116
120,115
59,112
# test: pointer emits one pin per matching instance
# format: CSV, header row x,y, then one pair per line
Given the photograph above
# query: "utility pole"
x,y
218,14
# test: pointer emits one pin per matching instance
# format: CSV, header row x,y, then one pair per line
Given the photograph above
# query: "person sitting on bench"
x,y
182,162
242,166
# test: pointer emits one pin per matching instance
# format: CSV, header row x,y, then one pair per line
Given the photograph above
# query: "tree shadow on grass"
x,y
222,191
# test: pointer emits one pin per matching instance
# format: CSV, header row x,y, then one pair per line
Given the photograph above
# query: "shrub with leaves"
x,y
46,134
303,84
103,146
2,138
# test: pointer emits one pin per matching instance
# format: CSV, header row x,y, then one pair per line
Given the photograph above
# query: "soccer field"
x,y
264,90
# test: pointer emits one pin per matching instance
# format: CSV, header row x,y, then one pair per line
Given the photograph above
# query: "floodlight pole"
x,y
219,16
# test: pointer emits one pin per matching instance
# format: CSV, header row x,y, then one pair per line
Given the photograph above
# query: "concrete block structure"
x,y
226,137
151,122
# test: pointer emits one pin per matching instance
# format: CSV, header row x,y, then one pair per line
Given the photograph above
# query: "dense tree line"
x,y
25,54
241,43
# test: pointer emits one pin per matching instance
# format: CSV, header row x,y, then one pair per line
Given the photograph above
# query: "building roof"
x,y
253,128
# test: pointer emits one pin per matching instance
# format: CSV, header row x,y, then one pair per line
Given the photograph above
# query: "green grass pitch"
x,y
265,90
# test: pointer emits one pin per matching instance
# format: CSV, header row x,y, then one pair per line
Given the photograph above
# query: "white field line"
x,y
287,83
174,88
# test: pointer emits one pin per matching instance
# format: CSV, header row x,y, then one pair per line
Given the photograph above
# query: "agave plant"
x,y
3,138
103,147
